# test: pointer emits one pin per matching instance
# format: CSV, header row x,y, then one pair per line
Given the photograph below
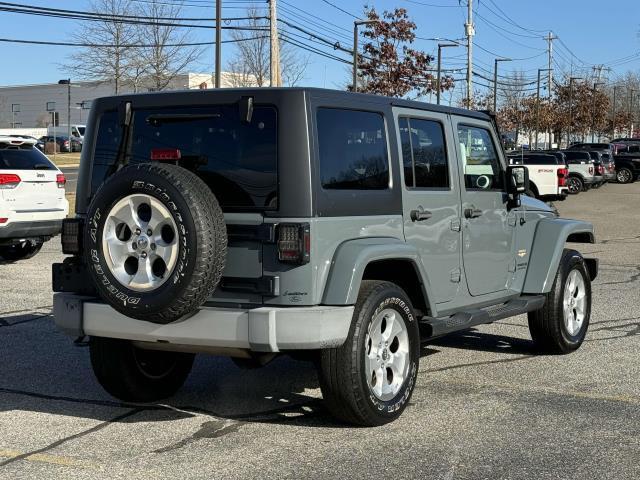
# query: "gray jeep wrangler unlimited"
x,y
255,222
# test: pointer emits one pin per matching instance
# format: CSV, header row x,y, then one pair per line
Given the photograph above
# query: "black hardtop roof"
x,y
309,91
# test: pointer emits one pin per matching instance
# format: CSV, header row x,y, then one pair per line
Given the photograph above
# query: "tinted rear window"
x,y
237,160
353,150
25,158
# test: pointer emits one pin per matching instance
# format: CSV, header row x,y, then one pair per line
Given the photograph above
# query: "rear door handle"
x,y
472,212
420,215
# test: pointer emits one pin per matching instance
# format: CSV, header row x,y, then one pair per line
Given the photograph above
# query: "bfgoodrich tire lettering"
x,y
200,238
344,376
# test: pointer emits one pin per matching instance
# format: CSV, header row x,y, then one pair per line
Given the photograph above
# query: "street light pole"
x,y
495,81
613,120
440,47
67,82
540,70
571,108
356,24
218,42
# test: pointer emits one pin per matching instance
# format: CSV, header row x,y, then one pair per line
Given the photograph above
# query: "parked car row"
x,y
555,173
62,142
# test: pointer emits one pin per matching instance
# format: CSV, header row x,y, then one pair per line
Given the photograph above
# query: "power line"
x,y
340,9
133,45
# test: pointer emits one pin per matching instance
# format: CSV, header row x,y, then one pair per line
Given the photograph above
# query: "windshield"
x,y
23,158
238,160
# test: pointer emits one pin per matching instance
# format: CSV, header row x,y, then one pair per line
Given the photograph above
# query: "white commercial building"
x,y
35,106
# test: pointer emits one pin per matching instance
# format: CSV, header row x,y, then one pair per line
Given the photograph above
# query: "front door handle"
x,y
420,215
472,212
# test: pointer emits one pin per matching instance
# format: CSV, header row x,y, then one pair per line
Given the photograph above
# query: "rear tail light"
x,y
294,243
600,169
4,220
562,176
61,180
9,181
72,235
166,154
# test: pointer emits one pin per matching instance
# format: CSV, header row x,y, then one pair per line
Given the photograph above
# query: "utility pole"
x,y
593,108
275,45
218,42
440,47
495,81
550,38
571,80
469,32
613,120
540,70
356,24
631,92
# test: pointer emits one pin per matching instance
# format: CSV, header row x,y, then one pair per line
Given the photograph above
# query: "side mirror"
x,y
517,183
519,177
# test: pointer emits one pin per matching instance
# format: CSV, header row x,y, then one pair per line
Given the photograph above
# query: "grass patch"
x,y
62,159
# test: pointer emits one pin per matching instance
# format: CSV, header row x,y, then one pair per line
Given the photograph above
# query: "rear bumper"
x,y
20,230
264,329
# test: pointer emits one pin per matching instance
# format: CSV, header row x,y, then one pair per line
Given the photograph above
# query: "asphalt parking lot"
x,y
485,406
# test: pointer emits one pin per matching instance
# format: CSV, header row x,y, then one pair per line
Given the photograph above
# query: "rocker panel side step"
x,y
437,327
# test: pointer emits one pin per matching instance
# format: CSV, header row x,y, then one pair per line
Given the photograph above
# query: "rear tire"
x,y
560,326
624,175
369,380
575,185
132,374
20,251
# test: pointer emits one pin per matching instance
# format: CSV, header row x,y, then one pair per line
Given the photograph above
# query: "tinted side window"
x,y
353,150
424,155
482,169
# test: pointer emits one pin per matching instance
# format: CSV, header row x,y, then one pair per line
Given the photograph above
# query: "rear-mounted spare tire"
x,y
156,242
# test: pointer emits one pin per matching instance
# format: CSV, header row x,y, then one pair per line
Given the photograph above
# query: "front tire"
x,y
560,326
132,374
369,380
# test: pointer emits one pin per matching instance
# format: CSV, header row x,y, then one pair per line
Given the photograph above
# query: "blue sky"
x,y
590,33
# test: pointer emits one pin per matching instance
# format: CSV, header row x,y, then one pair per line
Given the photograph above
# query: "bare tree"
x,y
109,54
250,64
168,54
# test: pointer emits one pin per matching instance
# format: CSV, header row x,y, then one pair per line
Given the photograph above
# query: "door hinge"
x,y
512,220
455,224
512,266
455,275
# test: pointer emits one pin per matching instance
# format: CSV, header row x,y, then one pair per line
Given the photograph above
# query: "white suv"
x,y
32,198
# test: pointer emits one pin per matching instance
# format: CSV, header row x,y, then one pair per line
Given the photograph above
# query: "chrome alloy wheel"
x,y
573,185
623,176
574,302
386,354
140,242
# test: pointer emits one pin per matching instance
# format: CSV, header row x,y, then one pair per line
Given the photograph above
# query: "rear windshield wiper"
x,y
160,118
41,166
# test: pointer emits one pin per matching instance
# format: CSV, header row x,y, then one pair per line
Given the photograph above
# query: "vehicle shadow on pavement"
x,y
472,339
43,371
